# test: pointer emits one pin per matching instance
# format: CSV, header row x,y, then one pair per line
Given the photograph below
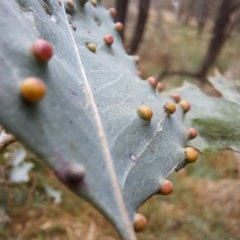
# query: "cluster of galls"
x,y
108,38
33,89
191,154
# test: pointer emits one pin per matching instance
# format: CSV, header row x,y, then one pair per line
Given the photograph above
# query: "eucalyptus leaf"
x,y
87,127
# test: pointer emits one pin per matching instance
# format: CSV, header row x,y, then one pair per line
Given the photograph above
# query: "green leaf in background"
x,y
215,119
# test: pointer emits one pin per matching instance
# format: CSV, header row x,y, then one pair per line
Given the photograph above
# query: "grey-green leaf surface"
x,y
215,119
230,90
89,114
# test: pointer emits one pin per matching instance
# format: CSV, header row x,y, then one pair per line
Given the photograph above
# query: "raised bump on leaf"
x,y
42,50
140,74
70,4
92,47
145,112
33,89
185,105
113,11
74,173
108,39
94,3
170,107
191,154
119,26
136,59
192,133
176,97
73,27
152,81
140,222
159,87
166,187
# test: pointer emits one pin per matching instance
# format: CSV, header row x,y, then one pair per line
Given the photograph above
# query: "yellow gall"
x,y
185,105
92,47
191,154
140,222
145,112
33,89
166,187
170,107
94,3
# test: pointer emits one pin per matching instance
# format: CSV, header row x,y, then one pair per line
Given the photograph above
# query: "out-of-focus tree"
x,y
139,30
122,9
226,18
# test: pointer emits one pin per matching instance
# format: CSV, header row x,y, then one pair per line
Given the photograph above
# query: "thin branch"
x,y
166,73
5,140
139,30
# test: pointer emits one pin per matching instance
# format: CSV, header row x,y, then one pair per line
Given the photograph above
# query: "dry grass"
x,y
203,205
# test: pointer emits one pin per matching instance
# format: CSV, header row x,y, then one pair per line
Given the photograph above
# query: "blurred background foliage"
x,y
174,40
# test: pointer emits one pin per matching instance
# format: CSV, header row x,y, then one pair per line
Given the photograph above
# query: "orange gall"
x,y
33,89
166,187
140,222
185,105
191,154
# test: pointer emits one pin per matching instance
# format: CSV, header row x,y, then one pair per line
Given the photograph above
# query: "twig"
x,y
5,183
180,73
5,140
31,191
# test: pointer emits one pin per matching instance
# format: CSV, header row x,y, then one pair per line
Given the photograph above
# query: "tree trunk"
x,y
139,30
219,36
121,7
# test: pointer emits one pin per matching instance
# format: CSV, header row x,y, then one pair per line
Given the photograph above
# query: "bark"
x,y
219,36
139,30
